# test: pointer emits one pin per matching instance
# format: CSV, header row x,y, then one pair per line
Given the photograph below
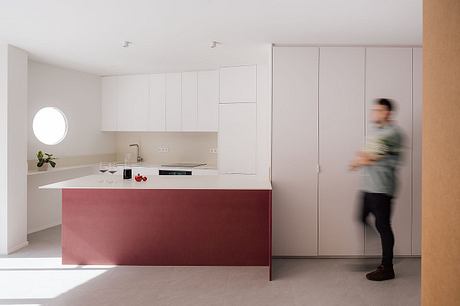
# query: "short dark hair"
x,y
385,102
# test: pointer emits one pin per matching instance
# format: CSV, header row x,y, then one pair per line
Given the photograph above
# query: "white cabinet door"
x,y
189,101
341,134
208,101
295,151
238,84
133,102
417,150
173,102
237,138
109,104
157,119
389,75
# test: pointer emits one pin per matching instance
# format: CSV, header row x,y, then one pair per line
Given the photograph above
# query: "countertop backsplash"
x,y
168,147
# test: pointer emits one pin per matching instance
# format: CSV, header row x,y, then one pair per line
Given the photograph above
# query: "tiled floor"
x,y
34,276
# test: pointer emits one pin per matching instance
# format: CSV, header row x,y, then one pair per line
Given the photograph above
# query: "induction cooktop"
x,y
184,165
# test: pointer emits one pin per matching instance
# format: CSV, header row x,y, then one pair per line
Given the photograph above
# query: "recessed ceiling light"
x,y
214,44
126,44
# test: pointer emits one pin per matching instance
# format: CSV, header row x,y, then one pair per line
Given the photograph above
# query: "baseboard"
x,y
43,227
342,257
17,247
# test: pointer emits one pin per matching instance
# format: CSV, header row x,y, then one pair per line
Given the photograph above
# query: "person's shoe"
x,y
382,273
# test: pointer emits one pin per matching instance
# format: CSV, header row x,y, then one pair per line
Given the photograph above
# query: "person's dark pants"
x,y
379,204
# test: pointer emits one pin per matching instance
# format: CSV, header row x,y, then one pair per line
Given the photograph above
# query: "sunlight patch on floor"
x,y
42,278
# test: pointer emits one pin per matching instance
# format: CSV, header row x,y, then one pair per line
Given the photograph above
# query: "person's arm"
x,y
364,159
377,151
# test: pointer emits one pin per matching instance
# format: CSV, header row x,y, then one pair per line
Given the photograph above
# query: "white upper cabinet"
x,y
109,104
157,120
238,84
237,138
133,102
189,101
173,102
208,101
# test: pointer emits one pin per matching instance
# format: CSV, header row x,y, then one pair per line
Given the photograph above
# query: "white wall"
x,y
13,148
78,95
44,205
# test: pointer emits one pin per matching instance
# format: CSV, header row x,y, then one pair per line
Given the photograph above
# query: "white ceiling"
x,y
173,35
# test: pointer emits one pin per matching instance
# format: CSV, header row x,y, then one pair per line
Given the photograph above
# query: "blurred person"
x,y
379,160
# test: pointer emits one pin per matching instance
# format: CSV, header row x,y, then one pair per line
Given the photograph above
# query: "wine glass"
x,y
103,168
112,169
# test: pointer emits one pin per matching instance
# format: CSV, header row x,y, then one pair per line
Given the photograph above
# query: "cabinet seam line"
x,y
317,160
364,130
412,157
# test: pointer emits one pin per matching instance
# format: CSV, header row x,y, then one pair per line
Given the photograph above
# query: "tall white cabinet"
x,y
238,84
295,151
341,132
237,136
321,100
389,75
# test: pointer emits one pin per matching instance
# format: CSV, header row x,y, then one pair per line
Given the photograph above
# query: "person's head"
x,y
381,111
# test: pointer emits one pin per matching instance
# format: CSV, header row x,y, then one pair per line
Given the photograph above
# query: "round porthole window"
x,y
50,125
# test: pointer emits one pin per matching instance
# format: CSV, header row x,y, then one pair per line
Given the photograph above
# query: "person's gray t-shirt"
x,y
381,176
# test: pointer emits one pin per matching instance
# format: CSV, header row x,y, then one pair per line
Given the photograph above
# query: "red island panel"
x,y
166,227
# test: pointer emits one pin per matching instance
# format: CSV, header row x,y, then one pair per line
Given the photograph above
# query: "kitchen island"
x,y
167,220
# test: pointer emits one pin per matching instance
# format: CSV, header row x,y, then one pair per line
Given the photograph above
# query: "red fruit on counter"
x,y
138,178
144,178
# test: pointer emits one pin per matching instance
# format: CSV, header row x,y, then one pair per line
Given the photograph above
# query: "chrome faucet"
x,y
139,158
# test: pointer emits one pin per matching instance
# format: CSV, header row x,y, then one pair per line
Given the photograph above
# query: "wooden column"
x,y
441,154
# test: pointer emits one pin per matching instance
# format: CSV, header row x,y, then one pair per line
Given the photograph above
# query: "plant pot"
x,y
43,168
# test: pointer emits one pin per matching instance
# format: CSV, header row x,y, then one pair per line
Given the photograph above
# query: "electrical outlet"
x,y
163,149
213,150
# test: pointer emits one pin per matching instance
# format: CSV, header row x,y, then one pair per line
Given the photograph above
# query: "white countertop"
x,y
133,166
58,169
224,182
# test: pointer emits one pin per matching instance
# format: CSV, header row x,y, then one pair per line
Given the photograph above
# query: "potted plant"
x,y
44,159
